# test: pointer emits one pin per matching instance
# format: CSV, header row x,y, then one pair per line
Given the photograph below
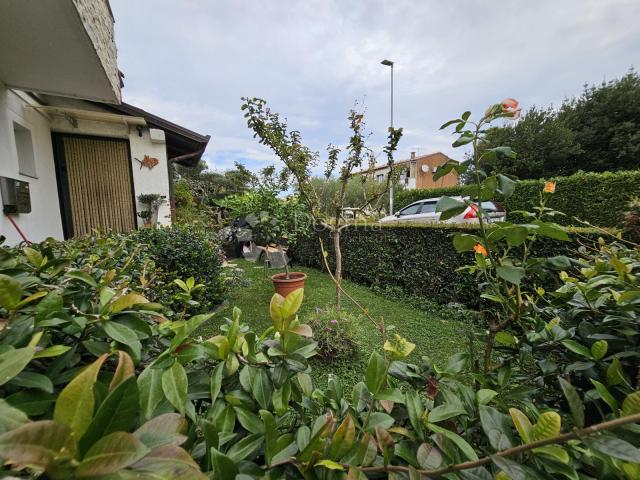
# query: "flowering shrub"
x,y
334,333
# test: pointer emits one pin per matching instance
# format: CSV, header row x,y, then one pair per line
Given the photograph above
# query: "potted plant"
x,y
152,202
274,223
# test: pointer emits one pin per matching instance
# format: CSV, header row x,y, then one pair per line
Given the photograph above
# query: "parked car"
x,y
424,211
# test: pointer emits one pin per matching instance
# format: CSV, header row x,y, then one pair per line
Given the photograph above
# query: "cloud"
x,y
191,61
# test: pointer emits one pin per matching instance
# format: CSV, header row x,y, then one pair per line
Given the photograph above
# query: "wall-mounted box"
x,y
15,196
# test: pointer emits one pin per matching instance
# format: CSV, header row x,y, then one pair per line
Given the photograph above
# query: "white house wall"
x,y
44,220
145,180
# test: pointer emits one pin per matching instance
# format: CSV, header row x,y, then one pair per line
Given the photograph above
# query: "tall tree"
x,y
597,131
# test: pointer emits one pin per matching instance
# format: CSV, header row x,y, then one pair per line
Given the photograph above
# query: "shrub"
x,y
420,259
598,198
183,252
333,330
631,220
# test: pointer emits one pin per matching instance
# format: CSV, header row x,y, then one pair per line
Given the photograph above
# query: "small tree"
x,y
299,160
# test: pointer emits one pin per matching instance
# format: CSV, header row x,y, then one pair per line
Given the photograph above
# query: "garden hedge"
x,y
420,259
181,252
598,198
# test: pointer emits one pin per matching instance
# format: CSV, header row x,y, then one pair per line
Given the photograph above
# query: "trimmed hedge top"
x,y
597,198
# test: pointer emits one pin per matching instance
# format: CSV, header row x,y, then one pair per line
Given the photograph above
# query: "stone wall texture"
x,y
99,24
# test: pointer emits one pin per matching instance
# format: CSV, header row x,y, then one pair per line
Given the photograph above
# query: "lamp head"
x,y
388,63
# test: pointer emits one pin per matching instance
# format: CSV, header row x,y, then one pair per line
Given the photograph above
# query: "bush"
x,y
334,332
182,252
598,198
420,259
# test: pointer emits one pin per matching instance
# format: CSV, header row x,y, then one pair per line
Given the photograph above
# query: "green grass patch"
x,y
437,331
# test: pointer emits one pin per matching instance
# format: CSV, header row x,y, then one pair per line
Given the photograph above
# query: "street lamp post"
x,y
389,63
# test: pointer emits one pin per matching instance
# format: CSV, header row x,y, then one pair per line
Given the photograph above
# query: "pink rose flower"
x,y
510,107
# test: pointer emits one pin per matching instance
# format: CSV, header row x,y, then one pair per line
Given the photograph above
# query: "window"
x,y
380,177
411,209
428,207
24,148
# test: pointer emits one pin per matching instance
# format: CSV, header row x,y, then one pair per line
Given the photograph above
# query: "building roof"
x,y
184,146
399,163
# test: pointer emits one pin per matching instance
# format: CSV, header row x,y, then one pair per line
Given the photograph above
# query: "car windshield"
x,y
491,207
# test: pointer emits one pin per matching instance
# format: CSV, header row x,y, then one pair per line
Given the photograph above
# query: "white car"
x,y
424,211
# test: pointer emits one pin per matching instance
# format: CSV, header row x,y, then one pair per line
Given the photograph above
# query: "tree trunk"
x,y
338,269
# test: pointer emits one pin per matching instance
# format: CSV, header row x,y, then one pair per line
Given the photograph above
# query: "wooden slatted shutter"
x,y
100,184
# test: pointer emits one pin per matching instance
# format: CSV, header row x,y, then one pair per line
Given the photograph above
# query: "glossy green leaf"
x,y
36,443
10,292
510,273
150,388
12,362
342,439
111,454
81,276
11,417
605,395
575,403
449,207
74,406
116,413
376,373
497,427
174,386
165,429
614,447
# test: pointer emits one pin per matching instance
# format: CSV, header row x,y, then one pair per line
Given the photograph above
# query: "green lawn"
x,y
437,331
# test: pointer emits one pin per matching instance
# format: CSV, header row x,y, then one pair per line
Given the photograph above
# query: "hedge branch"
x,y
574,434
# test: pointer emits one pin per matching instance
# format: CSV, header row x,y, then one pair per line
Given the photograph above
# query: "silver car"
x,y
424,211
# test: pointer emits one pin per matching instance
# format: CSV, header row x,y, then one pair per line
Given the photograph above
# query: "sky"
x,y
190,61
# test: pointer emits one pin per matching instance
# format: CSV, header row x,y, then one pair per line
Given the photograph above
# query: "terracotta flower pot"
x,y
284,286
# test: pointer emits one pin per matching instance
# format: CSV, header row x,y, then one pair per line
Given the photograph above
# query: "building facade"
x,y
417,172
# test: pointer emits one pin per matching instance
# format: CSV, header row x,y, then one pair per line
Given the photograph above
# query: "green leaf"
x,y
243,449
506,185
415,410
342,439
576,347
33,380
575,403
216,381
37,444
150,388
380,419
127,301
511,468
174,386
615,375
11,417
599,349
52,351
12,362
82,276
522,424
165,429
497,428
330,464
450,207
10,292
74,406
605,395
249,420
510,273
460,442
119,332
551,230
376,373
223,466
34,256
111,454
547,426
464,242
445,412
631,404
485,395
270,435
614,447
465,138
428,456
116,413
261,387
